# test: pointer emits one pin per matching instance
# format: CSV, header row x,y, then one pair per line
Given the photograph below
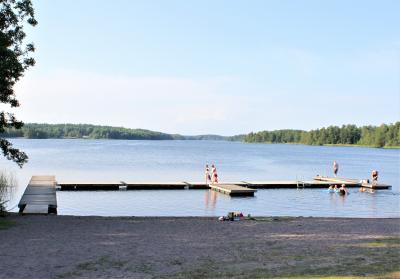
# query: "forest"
x,y
60,131
385,135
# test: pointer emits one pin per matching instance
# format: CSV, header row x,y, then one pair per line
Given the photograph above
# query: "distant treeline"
x,y
59,131
377,136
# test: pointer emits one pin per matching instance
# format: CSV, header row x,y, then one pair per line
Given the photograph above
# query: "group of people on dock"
x,y
213,177
343,190
374,174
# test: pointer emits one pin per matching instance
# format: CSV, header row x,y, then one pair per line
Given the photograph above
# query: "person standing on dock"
x,y
207,174
214,174
335,168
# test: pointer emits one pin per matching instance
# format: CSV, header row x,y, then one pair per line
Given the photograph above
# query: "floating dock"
x,y
232,189
319,183
39,196
350,181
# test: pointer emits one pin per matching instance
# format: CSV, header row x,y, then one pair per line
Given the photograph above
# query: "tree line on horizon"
x,y
377,136
385,135
60,131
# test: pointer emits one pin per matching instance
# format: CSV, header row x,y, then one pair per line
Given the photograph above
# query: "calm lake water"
x,y
114,160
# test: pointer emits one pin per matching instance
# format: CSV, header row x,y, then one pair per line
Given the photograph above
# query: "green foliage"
x,y
44,131
381,136
59,131
7,185
14,60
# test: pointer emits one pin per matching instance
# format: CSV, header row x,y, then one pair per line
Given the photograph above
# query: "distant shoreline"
x,y
383,136
272,143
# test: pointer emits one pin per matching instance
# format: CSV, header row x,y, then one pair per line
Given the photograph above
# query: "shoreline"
x,y
225,140
198,247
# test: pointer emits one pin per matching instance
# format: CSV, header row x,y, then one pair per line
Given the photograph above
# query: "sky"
x,y
213,67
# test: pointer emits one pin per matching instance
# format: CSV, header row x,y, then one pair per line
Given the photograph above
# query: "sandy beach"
x,y
151,247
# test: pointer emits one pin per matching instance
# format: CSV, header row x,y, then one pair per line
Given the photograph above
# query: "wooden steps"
x,y
39,196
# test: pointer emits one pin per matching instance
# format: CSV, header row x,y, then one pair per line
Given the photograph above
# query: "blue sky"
x,y
225,67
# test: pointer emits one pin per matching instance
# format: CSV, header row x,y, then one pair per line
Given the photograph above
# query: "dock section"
x,y
90,186
350,181
39,196
232,189
319,182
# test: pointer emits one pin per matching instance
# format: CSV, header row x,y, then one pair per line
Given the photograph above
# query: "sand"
x,y
168,247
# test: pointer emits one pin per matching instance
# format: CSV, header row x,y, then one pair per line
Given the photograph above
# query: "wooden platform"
x,y
90,186
39,196
350,181
319,182
232,189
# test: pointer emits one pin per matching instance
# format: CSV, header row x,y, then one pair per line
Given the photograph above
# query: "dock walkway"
x,y
319,182
39,196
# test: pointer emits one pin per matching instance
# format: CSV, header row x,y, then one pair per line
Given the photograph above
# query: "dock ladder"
x,y
300,183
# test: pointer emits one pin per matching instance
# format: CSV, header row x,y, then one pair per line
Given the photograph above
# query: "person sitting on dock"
x,y
335,168
343,190
374,175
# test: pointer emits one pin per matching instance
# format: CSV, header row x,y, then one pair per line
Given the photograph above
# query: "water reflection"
x,y
210,195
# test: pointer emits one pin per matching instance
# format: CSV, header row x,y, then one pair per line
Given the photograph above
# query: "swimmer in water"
x,y
343,191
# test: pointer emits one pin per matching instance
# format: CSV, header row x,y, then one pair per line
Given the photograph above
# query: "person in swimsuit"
x,y
374,175
215,177
207,174
336,189
343,191
214,174
335,168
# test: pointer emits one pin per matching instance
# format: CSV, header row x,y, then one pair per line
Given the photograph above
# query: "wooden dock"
x,y
350,181
319,182
232,189
39,196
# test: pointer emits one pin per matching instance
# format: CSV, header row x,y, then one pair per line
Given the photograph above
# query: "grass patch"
x,y
101,264
387,242
5,223
272,219
277,261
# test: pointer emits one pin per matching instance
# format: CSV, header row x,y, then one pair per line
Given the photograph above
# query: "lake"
x,y
115,160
